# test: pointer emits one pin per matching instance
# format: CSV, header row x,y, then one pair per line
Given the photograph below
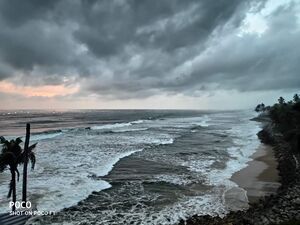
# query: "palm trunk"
x,y
24,189
13,185
10,189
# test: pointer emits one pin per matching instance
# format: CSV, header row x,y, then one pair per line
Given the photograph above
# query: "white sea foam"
x,y
82,185
164,141
187,206
43,136
68,165
187,122
110,126
116,125
246,143
207,204
138,121
204,121
130,129
174,179
39,136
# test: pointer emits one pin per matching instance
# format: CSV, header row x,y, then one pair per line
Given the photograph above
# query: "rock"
x,y
296,201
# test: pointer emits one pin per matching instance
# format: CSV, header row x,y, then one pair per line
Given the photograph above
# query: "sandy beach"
x,y
260,177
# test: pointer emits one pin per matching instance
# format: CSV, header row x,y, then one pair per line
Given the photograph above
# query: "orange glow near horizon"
x,y
41,91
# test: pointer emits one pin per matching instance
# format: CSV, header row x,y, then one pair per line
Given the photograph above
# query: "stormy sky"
x,y
202,54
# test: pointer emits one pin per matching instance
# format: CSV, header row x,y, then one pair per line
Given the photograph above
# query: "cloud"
x,y
254,61
109,26
131,49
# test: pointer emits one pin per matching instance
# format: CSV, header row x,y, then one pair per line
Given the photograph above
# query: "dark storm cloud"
x,y
256,63
108,27
129,49
16,13
31,45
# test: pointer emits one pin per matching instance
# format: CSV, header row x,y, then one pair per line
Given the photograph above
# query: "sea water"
x,y
142,166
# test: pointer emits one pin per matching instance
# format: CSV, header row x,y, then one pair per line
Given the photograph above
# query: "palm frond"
x,y
5,144
5,148
32,159
3,163
7,159
2,167
20,158
18,140
2,140
31,147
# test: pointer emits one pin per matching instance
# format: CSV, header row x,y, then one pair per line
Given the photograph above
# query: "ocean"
x,y
131,166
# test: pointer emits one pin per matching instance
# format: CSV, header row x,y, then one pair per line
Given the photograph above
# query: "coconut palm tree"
x,y
281,101
10,156
296,98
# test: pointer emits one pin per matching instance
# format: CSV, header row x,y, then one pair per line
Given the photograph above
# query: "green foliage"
x,y
260,108
281,100
296,98
286,118
291,222
12,155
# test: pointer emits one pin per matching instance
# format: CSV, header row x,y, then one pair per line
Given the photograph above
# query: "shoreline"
x,y
283,207
260,178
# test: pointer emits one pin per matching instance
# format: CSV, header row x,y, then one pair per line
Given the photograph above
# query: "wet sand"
x,y
260,178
